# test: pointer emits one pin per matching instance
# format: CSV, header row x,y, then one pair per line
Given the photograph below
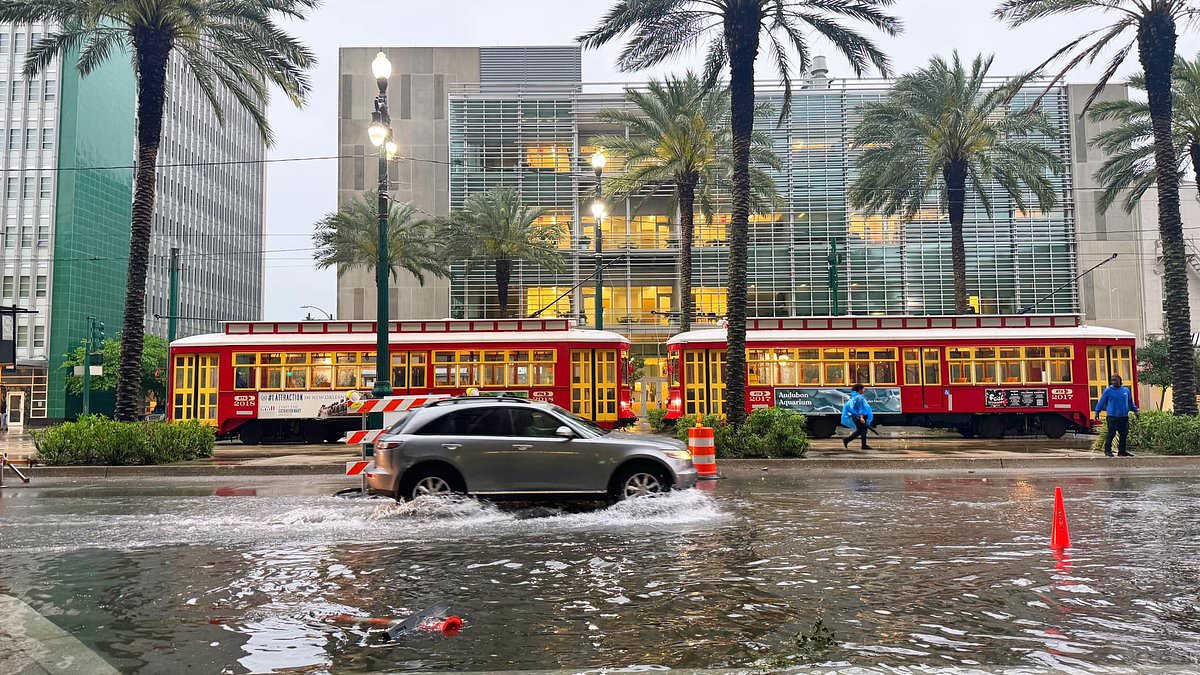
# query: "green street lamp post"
x,y
92,343
598,213
380,133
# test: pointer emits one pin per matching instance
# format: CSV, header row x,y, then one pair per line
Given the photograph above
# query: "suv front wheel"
x,y
639,480
434,481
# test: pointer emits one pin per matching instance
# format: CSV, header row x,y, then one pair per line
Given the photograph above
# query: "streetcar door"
x,y
194,388
594,384
923,369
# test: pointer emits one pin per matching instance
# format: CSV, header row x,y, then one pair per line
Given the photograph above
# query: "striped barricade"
x,y
703,447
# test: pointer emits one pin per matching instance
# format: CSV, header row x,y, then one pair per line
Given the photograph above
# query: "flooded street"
x,y
907,571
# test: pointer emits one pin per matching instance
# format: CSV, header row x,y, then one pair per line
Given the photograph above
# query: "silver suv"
x,y
516,448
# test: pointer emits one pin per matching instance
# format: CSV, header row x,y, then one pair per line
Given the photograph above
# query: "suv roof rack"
x,y
478,399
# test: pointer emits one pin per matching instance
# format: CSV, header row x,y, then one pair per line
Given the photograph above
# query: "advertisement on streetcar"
x,y
817,401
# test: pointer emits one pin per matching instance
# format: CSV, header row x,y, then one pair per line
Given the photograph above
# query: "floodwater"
x,y
907,573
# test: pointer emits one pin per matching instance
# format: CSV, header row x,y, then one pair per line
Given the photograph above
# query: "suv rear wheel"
x,y
639,480
434,481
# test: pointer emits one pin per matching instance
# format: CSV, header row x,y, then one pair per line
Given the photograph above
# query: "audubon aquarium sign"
x,y
829,401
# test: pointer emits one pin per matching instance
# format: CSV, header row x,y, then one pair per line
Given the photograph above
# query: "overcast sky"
x,y
299,193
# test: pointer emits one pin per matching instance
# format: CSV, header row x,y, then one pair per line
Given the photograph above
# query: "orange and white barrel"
x,y
703,447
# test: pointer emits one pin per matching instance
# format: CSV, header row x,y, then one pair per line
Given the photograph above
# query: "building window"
x,y
14,139
9,280
23,287
3,43
10,235
27,187
47,138
40,285
18,43
26,235
12,186
50,90
43,233
22,337
18,88
45,188
32,91
39,337
31,139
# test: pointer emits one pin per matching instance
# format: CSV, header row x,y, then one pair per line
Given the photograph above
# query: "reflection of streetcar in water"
x,y
981,375
266,380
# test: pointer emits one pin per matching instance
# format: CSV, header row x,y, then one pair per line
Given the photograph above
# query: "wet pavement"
x,y
909,572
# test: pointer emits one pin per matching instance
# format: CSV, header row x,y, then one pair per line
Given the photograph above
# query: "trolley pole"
x,y
173,319
598,213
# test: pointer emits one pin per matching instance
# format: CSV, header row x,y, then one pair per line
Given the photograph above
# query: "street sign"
x,y
97,371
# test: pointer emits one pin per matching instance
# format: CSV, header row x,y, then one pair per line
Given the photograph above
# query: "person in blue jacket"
x,y
857,414
1117,403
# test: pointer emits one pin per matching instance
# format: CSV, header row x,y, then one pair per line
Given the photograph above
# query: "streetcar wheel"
x,y
1054,426
250,433
990,427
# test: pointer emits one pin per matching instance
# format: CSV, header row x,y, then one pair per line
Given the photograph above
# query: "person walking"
x,y
4,412
1117,403
857,414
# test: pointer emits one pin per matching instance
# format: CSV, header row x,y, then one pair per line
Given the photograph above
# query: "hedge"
x,y
1159,432
766,434
97,440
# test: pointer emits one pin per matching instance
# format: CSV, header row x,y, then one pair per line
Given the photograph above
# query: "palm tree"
x,y
232,47
1151,27
681,136
494,227
731,31
943,128
349,238
1129,169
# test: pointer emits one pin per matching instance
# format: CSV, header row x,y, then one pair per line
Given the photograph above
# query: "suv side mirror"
x,y
564,431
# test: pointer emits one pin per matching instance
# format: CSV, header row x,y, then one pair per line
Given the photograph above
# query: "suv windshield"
x,y
588,427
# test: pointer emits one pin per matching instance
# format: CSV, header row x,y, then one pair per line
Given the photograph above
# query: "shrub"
x,y
767,433
1159,432
96,440
657,419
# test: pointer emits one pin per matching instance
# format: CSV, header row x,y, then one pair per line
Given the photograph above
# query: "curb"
x,y
740,466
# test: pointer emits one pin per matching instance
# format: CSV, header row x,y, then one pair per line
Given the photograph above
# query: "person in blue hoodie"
x,y
857,414
1117,403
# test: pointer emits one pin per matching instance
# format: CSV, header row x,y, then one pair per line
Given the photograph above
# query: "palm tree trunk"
x,y
1156,50
503,274
742,24
687,221
955,175
1194,152
151,51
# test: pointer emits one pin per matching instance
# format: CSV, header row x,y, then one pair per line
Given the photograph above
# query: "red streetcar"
x,y
981,375
268,380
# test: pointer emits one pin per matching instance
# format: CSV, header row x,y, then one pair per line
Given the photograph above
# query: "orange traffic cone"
x,y
1060,537
703,448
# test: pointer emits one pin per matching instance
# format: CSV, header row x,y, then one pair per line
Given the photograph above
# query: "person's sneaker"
x,y
867,447
1124,454
846,443
1108,454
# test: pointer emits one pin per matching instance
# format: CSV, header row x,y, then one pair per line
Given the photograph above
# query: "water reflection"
x,y
907,574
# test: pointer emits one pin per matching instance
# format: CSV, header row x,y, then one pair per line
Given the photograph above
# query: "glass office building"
x,y
536,139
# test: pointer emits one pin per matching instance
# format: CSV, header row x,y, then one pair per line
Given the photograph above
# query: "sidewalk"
x,y
895,450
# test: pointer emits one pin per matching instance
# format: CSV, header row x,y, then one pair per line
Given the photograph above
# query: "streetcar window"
x,y
885,372
272,378
347,357
320,359
933,371
912,366
270,358
244,378
244,359
810,373
518,374
346,377
673,368
297,378
297,357
322,377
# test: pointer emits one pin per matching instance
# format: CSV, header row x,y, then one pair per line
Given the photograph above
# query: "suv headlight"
x,y
681,455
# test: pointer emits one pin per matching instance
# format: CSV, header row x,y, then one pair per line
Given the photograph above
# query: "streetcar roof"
x,y
282,341
909,334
